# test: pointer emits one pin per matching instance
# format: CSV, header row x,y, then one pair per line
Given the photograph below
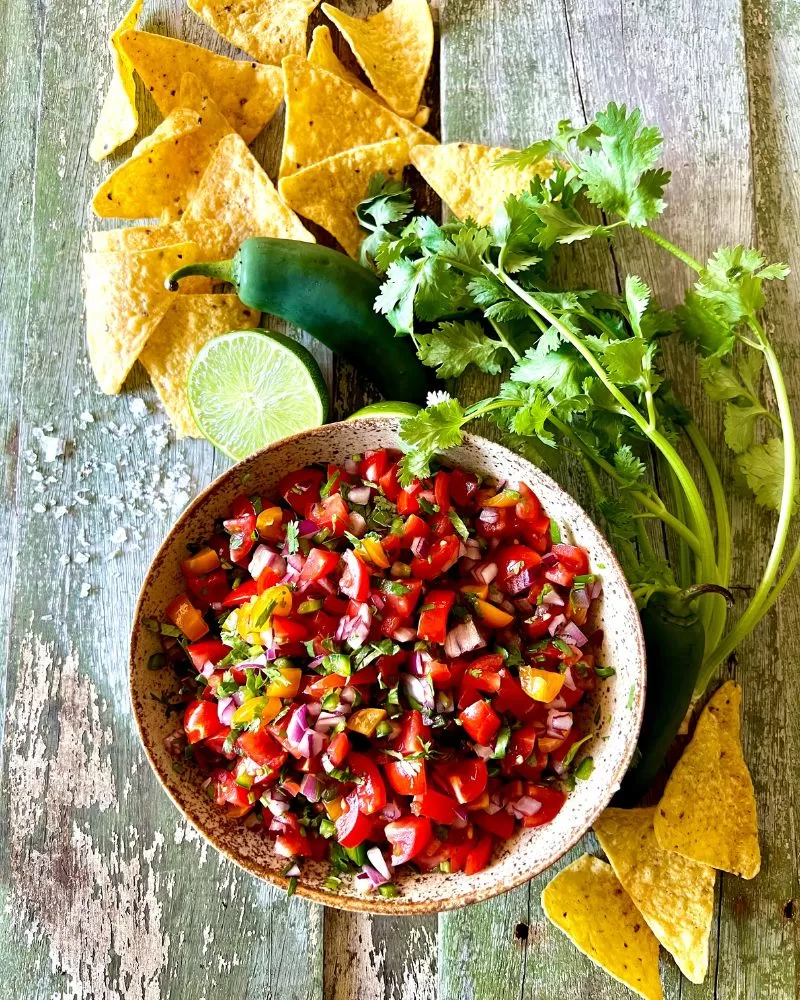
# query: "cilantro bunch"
x,y
586,373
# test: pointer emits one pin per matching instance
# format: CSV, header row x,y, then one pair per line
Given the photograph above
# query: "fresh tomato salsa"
x,y
384,677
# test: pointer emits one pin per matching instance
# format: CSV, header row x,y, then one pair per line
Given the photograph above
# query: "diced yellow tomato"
x,y
372,551
480,803
492,616
505,498
480,590
256,615
334,808
269,523
366,720
185,616
549,743
541,685
260,707
202,562
287,685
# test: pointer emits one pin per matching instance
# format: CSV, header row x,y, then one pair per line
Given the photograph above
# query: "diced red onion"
x,y
391,811
483,752
292,872
376,878
351,467
307,528
238,697
527,806
473,549
489,515
463,639
264,557
313,664
354,630
327,721
225,708
524,580
313,708
359,494
555,624
569,679
311,744
298,724
404,634
596,590
310,787
277,825
276,807
378,601
325,583
485,573
461,817
549,559
493,807
358,526
573,634
559,722
297,561
420,546
580,597
462,550
558,702
552,598
378,861
207,670
418,689
327,764
420,662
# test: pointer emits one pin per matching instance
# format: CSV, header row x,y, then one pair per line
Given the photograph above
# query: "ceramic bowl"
x,y
613,712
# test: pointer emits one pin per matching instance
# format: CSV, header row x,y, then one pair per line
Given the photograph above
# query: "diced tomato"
x,y
441,491
436,806
371,790
440,674
221,545
227,793
300,489
481,722
478,857
441,556
355,579
404,604
202,562
216,744
263,748
210,590
463,487
432,625
242,529
414,527
336,476
390,484
482,674
511,698
414,734
407,777
409,836
331,514
392,622
457,846
537,626
241,506
320,563
511,560
374,465
201,721
559,753
269,524
501,823
408,500
468,778
338,749
293,844
289,630
320,686
573,557
552,800
183,614
241,595
559,574
207,651
353,826
528,507
497,522
267,578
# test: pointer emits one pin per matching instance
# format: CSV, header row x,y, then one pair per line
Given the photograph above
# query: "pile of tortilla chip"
x,y
659,885
197,192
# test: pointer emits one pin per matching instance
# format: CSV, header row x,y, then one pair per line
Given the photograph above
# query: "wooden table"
x,y
107,893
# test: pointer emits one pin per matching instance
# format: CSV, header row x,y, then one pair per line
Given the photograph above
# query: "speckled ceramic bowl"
x,y
613,712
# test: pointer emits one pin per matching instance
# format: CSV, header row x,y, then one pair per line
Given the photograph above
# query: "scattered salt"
x,y
81,558
39,508
119,537
86,589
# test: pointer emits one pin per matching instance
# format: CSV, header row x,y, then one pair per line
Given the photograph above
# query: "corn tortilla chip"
x,y
321,54
708,810
137,237
236,200
394,48
118,118
325,115
329,191
267,30
465,178
164,170
247,93
190,322
674,895
125,301
587,902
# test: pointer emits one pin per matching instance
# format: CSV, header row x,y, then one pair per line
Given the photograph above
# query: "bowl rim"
x,y
397,906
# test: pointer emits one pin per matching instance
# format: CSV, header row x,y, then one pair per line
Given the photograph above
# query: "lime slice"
x,y
386,408
252,387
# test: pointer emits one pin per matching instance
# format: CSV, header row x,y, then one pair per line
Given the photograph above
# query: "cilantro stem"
x,y
665,244
502,336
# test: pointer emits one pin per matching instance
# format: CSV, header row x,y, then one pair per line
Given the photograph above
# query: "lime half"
x,y
252,387
386,408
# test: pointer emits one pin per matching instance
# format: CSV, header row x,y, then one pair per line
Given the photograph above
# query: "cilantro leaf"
x,y
732,282
637,299
562,225
559,372
452,346
426,433
630,468
762,466
703,324
719,379
387,200
624,359
740,425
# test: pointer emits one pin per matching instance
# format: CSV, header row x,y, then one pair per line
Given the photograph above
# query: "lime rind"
x,y
386,408
250,388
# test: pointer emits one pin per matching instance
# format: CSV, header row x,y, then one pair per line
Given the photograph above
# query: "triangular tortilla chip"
x,y
708,810
267,30
236,200
118,118
465,178
190,322
325,115
247,93
394,48
321,54
138,237
164,169
587,902
125,301
329,191
674,895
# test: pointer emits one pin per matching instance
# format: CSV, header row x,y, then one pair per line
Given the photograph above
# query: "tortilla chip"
x,y
236,200
673,894
587,902
190,322
465,178
267,30
247,93
394,48
125,301
321,54
138,237
118,118
329,191
326,115
708,810
164,169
